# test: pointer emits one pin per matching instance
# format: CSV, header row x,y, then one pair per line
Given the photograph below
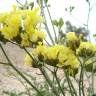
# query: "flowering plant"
x,y
68,53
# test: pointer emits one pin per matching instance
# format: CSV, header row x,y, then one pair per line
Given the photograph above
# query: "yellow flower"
x,y
9,32
35,15
52,52
40,43
28,60
31,17
13,20
71,36
86,49
57,55
38,35
3,17
30,31
67,58
72,40
40,52
14,8
25,39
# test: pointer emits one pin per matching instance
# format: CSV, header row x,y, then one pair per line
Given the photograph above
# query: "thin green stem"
x,y
82,80
81,85
47,42
72,87
35,61
89,82
22,82
89,10
55,74
49,81
53,78
46,26
58,37
49,69
51,20
45,23
10,63
19,3
92,79
71,91
4,63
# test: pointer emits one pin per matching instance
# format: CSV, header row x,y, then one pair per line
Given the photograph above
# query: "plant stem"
x,y
89,10
81,85
10,63
46,26
83,82
71,91
48,80
47,42
45,22
72,87
92,79
22,82
48,69
19,3
51,20
4,63
63,93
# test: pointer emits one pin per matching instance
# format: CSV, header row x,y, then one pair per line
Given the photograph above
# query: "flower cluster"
x,y
82,48
86,49
57,55
21,26
63,56
72,40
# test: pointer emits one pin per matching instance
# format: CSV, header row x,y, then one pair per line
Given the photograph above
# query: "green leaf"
x,y
55,22
31,4
94,35
89,67
61,22
71,8
46,1
94,94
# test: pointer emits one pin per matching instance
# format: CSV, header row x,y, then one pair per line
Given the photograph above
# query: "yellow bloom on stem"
x,y
3,17
9,32
67,58
38,35
86,49
30,31
35,15
40,52
71,36
31,17
57,55
52,52
25,39
72,40
13,20
17,20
